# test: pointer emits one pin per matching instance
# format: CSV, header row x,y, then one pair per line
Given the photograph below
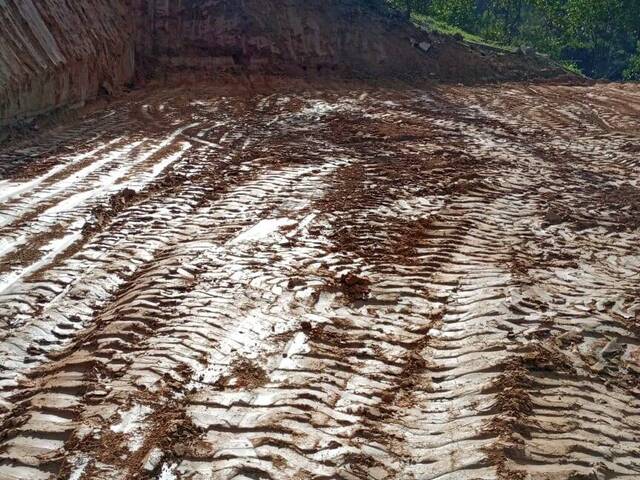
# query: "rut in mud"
x,y
362,283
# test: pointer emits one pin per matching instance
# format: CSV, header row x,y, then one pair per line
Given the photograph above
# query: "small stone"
x,y
180,449
526,50
107,88
424,46
613,348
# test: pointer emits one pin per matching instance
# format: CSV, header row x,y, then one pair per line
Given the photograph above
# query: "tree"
x,y
599,36
632,72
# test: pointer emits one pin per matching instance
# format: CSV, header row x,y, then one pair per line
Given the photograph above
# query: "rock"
x,y
107,88
526,50
354,286
612,349
603,304
181,449
632,359
424,46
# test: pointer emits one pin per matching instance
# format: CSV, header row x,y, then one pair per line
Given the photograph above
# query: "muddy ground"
x,y
359,283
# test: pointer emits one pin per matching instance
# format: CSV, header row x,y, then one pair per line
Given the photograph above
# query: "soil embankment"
x,y
57,54
60,53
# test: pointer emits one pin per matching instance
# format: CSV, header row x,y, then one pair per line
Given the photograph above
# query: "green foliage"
x,y
460,13
432,24
572,67
632,72
598,37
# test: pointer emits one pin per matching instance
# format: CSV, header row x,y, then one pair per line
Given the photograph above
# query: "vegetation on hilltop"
x,y
599,37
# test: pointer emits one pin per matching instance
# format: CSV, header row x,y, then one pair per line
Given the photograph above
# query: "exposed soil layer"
x,y
56,55
220,283
315,38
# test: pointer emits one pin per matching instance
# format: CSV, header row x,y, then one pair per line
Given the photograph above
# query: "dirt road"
x,y
363,283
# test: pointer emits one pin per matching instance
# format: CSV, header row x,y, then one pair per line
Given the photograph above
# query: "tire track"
x,y
362,284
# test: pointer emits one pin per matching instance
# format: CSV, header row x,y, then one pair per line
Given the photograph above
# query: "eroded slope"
x,y
311,38
57,53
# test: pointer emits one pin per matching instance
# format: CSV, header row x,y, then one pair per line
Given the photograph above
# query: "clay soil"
x,y
261,280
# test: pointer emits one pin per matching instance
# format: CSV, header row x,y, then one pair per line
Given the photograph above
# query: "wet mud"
x,y
350,283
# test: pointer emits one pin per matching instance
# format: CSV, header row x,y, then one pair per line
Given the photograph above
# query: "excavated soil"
x,y
347,283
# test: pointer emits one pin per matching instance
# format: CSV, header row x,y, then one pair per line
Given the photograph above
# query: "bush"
x,y
599,36
460,13
632,72
572,67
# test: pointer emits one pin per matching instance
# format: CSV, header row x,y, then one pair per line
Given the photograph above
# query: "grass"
x,y
444,28
441,27
572,67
